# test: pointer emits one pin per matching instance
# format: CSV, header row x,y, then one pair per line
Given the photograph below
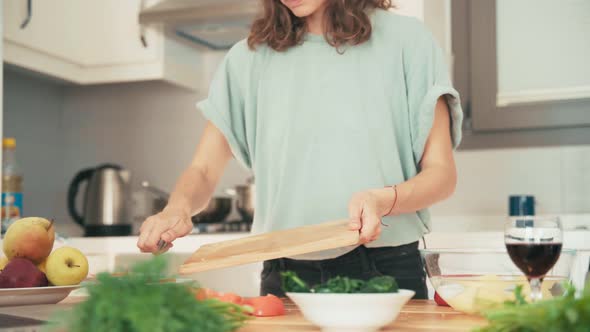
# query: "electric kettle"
x,y
105,210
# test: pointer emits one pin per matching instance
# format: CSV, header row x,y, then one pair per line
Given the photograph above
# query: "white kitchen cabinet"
x,y
513,94
517,81
91,42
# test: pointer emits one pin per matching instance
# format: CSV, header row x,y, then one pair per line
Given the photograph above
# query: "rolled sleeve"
x,y
427,79
224,107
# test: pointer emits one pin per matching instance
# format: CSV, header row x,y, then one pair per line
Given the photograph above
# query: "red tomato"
x,y
230,297
206,293
439,300
265,306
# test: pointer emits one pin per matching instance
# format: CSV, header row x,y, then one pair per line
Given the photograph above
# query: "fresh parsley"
x,y
565,313
139,302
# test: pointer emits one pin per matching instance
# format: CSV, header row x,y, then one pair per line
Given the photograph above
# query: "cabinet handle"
x,y
143,40
29,14
142,29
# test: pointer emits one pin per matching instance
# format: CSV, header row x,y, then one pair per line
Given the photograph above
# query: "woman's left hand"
x,y
365,210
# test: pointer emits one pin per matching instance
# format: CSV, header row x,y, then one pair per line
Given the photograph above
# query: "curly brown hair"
x,y
346,23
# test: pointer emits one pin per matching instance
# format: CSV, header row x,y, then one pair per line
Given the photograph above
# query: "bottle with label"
x,y
522,205
12,178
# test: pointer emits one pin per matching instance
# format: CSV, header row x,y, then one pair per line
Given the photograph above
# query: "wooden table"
x,y
417,315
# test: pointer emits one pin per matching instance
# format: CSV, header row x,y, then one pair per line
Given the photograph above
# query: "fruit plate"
x,y
34,295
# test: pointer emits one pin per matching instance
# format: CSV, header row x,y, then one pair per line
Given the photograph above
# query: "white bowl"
x,y
366,312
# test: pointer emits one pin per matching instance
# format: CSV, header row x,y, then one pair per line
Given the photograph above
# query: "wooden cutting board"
x,y
284,243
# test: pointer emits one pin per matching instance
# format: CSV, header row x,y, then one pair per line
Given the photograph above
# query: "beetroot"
x,y
20,273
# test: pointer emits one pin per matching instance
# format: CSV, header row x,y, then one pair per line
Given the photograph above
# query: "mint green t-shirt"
x,y
316,126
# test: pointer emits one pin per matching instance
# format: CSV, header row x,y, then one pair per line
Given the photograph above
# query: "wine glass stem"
x,y
536,294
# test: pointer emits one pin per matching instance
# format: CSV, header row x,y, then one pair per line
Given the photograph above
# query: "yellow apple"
x,y
31,238
66,266
3,261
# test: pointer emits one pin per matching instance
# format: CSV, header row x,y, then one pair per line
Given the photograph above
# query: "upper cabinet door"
x,y
53,28
528,64
95,42
84,32
112,34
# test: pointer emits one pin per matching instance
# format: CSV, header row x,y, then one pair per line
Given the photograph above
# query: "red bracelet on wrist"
x,y
394,200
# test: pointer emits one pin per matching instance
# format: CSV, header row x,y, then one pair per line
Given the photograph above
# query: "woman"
x,y
342,109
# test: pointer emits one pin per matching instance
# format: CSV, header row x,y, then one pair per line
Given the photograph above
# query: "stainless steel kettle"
x,y
105,210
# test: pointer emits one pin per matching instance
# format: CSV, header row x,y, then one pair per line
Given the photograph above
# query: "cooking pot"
x,y
245,199
216,210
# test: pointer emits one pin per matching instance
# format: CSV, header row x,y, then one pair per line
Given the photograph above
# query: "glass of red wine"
x,y
534,245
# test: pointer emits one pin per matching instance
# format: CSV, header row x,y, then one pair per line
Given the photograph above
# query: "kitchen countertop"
x,y
417,315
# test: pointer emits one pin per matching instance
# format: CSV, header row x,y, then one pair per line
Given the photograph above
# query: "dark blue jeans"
x,y
403,263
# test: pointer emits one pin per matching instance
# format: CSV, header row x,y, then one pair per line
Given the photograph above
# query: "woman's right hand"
x,y
167,225
192,192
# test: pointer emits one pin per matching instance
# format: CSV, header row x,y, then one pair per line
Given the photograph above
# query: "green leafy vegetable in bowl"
x,y
565,313
292,283
138,302
340,285
381,284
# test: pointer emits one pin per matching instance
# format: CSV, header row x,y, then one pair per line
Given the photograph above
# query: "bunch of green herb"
x,y
565,313
382,284
139,302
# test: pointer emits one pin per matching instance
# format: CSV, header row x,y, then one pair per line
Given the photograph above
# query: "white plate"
x,y
34,295
47,295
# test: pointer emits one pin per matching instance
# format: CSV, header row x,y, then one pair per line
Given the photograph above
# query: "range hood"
x,y
216,24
